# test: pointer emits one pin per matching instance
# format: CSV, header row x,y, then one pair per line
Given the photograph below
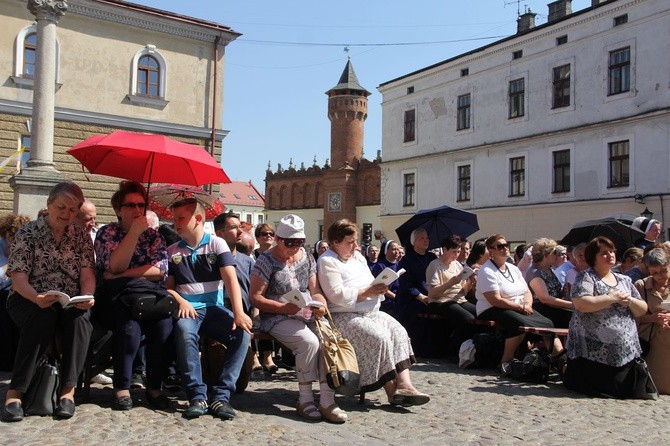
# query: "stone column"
x,y
32,185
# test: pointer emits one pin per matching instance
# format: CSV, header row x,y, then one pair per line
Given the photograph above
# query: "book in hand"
x,y
665,305
467,272
388,276
301,300
67,301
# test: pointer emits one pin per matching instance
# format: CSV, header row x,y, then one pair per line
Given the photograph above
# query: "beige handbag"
x,y
339,359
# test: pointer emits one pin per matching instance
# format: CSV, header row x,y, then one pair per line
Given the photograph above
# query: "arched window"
x,y
149,80
148,77
25,57
29,55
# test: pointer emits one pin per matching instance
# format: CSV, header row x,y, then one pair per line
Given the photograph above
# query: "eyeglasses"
x,y
232,228
134,205
267,233
294,242
501,246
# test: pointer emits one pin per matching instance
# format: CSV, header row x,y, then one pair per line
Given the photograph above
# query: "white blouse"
x,y
340,281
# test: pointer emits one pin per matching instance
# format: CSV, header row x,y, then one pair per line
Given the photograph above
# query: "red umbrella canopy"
x,y
163,196
148,158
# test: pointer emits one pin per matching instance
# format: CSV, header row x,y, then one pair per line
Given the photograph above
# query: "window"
x,y
620,20
463,112
517,55
517,176
561,182
516,98
25,156
561,86
465,72
148,73
29,55
149,80
410,125
250,218
619,71
619,161
561,40
260,219
253,197
410,90
408,189
238,196
463,183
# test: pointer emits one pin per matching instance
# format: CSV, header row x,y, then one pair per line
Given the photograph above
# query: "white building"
x,y
562,122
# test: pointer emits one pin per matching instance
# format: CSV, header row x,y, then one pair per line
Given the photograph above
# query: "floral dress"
x,y
608,336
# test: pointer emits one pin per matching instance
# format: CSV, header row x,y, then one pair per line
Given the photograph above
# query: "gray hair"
x,y
412,236
656,257
67,189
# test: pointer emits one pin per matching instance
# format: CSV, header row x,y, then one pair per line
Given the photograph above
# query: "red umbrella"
x,y
148,158
163,196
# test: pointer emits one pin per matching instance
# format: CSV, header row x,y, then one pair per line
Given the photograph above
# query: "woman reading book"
x,y
50,252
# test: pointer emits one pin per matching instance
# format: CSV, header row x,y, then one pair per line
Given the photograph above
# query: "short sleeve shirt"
x,y
439,273
150,249
608,336
280,279
489,278
50,265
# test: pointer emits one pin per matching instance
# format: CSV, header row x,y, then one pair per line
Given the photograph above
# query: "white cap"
x,y
291,226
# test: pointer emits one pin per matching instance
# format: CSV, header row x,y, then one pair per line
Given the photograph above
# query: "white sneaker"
x,y
101,378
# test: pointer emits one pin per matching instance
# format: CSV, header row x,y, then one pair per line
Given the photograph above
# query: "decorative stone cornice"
x,y
51,10
153,22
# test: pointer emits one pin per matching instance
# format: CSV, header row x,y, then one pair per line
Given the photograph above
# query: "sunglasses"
x,y
267,233
501,246
294,242
134,205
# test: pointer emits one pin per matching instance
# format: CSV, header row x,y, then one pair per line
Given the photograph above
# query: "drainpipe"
x,y
216,59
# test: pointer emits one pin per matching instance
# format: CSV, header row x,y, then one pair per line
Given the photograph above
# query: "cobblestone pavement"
x,y
472,407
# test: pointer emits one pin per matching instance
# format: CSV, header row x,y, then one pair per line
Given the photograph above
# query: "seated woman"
x,y
382,346
389,258
446,293
503,296
544,285
319,248
285,267
50,253
127,250
603,341
655,290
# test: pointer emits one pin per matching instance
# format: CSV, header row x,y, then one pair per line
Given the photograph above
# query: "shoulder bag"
x,y
339,359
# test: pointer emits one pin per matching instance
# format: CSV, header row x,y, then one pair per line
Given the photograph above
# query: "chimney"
x,y
559,9
525,21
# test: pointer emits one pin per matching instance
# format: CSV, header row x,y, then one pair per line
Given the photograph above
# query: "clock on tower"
x,y
334,201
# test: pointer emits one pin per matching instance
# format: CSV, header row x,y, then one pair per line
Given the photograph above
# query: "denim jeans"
x,y
216,323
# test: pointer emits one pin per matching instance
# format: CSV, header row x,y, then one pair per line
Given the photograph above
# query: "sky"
x,y
292,52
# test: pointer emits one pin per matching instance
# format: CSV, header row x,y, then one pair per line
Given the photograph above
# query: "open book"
x,y
67,301
467,272
388,276
301,300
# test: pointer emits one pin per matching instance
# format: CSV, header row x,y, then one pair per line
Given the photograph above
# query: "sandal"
x,y
309,411
333,414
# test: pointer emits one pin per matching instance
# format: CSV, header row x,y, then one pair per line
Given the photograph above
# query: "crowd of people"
x,y
218,284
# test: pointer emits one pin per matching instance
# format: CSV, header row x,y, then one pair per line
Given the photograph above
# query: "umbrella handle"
x,y
151,169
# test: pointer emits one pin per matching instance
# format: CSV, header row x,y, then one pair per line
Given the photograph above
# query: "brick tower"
x,y
347,111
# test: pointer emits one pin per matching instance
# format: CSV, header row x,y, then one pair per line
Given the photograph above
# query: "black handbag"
x,y
150,307
533,368
643,385
41,398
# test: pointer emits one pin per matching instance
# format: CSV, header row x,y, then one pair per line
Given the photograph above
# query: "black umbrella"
x,y
622,235
439,223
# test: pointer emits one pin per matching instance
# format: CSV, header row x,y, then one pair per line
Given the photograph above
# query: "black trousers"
x,y
560,317
511,320
458,317
37,329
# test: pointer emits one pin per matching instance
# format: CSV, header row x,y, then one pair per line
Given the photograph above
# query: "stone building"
x,y
347,186
118,66
559,123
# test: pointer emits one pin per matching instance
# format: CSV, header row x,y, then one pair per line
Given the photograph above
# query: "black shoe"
x,y
172,383
137,381
222,409
195,409
160,402
122,403
13,412
65,408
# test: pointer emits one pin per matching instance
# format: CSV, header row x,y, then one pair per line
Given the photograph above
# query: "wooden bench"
x,y
562,333
475,321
